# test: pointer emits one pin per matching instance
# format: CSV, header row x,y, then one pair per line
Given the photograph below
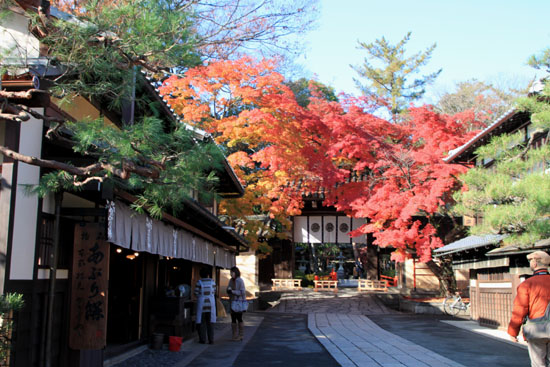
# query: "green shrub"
x,y
9,303
389,272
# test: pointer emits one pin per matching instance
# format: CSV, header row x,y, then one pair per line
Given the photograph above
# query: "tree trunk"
x,y
444,272
313,259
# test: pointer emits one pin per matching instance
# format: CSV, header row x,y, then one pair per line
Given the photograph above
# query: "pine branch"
x,y
38,115
10,113
89,179
45,163
534,136
142,157
21,113
128,167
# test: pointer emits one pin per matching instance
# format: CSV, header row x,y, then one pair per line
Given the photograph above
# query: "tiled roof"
x,y
516,249
469,242
199,134
456,152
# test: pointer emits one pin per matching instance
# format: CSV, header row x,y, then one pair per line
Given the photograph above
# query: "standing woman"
x,y
206,306
236,292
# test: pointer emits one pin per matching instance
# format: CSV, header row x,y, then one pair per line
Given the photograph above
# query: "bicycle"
x,y
453,304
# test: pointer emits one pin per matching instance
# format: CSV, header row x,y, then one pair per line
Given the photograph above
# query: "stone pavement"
x,y
337,320
354,340
345,301
192,352
355,328
358,330
469,347
224,351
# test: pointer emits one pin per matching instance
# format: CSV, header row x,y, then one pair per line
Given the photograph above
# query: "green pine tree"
x,y
386,73
304,89
512,196
100,56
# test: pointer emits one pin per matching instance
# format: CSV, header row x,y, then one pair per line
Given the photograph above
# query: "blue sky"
x,y
485,39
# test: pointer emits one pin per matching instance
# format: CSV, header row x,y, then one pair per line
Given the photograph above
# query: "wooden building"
x,y
97,278
319,226
494,272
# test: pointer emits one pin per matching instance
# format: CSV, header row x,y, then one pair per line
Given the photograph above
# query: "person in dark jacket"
x,y
359,268
533,296
205,289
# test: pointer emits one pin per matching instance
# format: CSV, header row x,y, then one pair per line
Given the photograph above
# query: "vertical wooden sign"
x,y
89,284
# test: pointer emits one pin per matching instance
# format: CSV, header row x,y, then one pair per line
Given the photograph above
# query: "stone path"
x,y
346,301
337,320
340,323
354,340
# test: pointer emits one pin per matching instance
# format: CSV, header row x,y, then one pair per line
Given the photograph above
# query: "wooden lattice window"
x,y
45,246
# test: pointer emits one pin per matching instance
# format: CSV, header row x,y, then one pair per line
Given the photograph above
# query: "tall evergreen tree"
x,y
386,73
304,89
512,196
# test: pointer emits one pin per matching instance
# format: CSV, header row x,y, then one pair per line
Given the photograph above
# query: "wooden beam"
x,y
83,212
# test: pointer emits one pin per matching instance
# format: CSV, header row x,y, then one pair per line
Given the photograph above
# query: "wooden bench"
x,y
326,285
286,284
372,285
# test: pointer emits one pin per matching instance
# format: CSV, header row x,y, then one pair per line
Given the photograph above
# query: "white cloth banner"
x,y
138,232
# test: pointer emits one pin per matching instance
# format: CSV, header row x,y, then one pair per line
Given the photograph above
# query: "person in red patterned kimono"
x,y
533,296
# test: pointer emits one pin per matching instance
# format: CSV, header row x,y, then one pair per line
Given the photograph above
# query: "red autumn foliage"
x,y
391,173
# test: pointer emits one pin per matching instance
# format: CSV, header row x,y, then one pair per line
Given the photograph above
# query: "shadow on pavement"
x,y
462,346
284,340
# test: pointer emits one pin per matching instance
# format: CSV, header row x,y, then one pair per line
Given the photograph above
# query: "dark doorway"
x,y
172,274
125,296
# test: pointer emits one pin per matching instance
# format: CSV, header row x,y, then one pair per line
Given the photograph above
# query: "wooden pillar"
x,y
8,185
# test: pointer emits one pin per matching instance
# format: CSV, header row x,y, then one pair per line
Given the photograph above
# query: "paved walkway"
x,y
337,320
354,340
192,353
469,347
490,333
340,322
345,301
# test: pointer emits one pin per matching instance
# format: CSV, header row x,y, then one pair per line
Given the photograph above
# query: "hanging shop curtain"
x,y
139,232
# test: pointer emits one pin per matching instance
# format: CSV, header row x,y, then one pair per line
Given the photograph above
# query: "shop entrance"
x,y
125,296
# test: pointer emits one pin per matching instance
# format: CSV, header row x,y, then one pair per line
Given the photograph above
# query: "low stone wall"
x,y
391,300
397,302
421,307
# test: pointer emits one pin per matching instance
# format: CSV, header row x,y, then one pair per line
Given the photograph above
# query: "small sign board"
x,y
468,221
89,284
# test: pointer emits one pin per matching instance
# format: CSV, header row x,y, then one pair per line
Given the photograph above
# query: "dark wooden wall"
x,y
492,306
278,264
30,332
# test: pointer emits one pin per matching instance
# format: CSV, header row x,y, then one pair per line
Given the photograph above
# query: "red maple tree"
x,y
368,167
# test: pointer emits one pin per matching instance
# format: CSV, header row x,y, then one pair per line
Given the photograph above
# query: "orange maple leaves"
x,y
367,166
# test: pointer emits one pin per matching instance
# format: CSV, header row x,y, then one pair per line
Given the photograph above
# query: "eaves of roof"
x,y
198,133
468,243
199,221
453,154
220,226
517,250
